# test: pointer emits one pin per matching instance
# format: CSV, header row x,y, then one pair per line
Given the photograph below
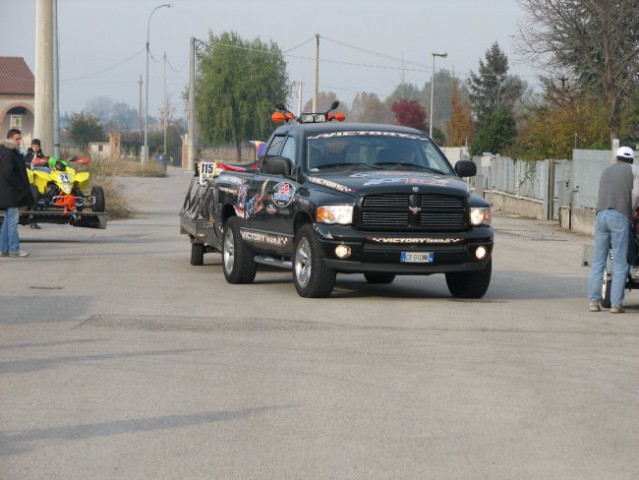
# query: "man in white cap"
x,y
616,203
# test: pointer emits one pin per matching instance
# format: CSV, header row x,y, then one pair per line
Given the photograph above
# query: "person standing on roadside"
x,y
616,203
14,193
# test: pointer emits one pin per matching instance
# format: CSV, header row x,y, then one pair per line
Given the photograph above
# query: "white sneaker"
x,y
595,307
617,309
19,254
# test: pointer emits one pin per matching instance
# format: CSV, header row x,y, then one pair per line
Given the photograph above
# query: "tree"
x,y
404,91
492,89
237,86
596,41
324,102
409,113
441,97
460,126
100,107
367,107
123,118
568,119
497,134
84,128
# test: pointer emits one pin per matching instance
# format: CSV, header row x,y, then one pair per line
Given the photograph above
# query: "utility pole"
x,y
43,105
56,84
165,113
192,135
316,72
140,116
299,98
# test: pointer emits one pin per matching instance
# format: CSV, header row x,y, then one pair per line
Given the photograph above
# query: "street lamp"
x,y
145,154
432,83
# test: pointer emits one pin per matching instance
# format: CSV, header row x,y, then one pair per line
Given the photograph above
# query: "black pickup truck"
x,y
331,197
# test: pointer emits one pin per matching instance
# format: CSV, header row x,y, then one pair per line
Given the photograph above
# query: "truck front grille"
x,y
401,212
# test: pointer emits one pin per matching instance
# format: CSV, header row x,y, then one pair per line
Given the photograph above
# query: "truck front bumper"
x,y
415,253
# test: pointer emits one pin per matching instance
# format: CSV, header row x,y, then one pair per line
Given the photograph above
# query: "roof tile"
x,y
15,77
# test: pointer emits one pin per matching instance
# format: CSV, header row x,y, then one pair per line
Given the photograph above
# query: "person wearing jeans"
x,y
14,193
616,203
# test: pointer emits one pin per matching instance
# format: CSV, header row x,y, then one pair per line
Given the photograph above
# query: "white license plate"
x,y
417,257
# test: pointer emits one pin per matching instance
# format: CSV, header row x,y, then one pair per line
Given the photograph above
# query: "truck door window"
x,y
275,147
290,151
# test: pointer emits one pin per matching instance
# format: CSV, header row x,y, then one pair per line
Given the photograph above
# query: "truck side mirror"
x,y
466,168
277,165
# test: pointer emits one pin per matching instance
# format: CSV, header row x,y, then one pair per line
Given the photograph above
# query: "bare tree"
x,y
595,41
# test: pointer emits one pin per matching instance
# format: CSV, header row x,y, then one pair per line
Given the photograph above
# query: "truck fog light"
x,y
481,253
343,251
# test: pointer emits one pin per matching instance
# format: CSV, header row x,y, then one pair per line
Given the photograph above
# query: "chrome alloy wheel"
x,y
229,250
303,262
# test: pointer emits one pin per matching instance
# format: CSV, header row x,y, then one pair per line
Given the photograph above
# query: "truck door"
x,y
269,205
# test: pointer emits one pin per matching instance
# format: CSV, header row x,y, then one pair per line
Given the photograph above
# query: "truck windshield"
x,y
379,150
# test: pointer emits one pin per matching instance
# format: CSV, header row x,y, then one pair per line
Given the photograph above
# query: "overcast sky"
x,y
102,42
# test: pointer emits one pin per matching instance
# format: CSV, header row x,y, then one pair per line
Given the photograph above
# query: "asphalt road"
x,y
120,360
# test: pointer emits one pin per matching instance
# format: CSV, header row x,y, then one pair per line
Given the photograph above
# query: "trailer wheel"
x,y
311,277
605,290
197,254
469,284
237,257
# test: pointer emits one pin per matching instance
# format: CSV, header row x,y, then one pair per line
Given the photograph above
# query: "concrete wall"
x,y
580,219
506,202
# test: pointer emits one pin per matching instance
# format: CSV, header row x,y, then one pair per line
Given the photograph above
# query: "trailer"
x,y
194,220
62,217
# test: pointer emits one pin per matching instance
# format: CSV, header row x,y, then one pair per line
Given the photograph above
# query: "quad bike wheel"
x,y
99,202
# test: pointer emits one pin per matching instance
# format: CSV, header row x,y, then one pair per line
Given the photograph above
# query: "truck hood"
x,y
370,182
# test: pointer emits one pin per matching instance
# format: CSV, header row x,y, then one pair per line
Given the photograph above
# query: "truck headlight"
x,y
342,214
479,216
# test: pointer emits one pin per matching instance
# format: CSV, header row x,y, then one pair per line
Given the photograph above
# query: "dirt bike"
x,y
56,185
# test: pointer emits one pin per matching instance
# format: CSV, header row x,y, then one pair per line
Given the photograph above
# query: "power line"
x,y
106,69
300,45
401,60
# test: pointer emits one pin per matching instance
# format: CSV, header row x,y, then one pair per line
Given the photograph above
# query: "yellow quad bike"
x,y
55,185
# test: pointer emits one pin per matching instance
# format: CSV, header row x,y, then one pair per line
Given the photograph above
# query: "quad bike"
x,y
61,187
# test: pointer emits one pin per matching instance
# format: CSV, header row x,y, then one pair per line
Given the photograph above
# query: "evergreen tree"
x,y
496,135
492,89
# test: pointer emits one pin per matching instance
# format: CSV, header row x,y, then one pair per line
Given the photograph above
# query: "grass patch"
x,y
103,172
124,168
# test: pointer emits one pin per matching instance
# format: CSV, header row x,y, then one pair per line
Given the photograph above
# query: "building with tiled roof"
x,y
17,97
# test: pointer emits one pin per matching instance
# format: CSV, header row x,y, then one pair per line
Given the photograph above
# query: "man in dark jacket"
x,y
14,193
34,151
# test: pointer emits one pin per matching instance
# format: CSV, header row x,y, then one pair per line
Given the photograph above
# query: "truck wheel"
x,y
379,278
469,284
197,254
605,290
237,257
311,277
99,203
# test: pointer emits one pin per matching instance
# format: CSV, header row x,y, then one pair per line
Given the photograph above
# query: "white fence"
x,y
565,190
